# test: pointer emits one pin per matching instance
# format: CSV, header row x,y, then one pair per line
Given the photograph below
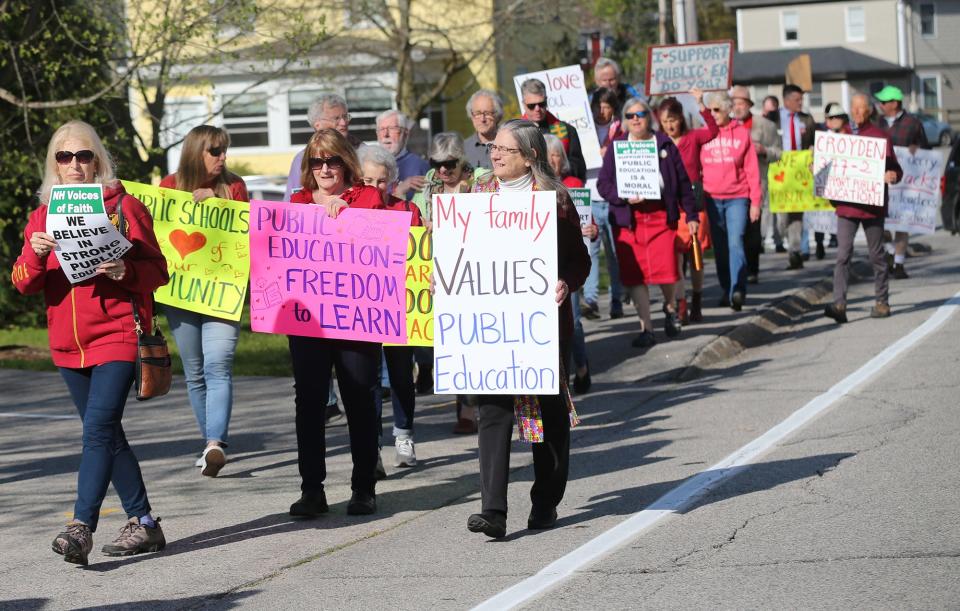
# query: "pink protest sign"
x,y
340,278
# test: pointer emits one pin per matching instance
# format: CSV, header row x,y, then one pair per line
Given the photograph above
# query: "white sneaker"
x,y
406,456
213,459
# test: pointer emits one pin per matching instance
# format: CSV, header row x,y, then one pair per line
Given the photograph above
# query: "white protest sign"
x,y
849,168
581,199
915,200
638,168
820,221
495,317
84,234
567,100
675,69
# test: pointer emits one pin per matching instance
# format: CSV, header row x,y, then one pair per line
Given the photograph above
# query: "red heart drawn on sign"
x,y
186,244
779,177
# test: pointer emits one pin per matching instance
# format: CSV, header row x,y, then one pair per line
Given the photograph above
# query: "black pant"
x,y
752,244
357,365
551,457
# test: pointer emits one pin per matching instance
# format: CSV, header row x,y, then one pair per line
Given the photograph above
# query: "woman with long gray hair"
x,y
519,158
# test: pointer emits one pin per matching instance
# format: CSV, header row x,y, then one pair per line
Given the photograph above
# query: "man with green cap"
x,y
905,130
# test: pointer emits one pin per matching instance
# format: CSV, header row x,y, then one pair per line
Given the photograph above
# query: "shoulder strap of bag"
x,y
122,226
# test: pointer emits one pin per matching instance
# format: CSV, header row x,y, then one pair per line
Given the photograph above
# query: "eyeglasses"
x,y
641,114
541,104
386,130
496,148
449,165
333,163
716,110
486,114
216,151
64,157
344,117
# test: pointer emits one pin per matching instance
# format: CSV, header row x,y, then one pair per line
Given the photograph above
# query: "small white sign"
x,y
915,200
638,168
849,168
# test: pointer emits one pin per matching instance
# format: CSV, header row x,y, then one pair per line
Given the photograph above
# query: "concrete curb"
x,y
763,326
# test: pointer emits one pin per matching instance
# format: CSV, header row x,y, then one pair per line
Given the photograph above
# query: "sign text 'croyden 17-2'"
x,y
495,274
84,235
316,276
849,168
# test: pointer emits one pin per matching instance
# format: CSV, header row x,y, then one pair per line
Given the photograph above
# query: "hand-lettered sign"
x,y
206,247
495,310
85,237
849,168
675,69
638,168
790,184
567,100
419,299
915,200
820,221
315,276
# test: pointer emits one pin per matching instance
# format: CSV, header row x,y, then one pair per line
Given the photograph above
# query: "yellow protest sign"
x,y
790,183
207,249
419,299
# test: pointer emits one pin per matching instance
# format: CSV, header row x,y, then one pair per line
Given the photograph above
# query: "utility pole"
x,y
662,6
685,21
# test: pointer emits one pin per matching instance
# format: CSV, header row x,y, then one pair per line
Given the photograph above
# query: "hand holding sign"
x,y
42,243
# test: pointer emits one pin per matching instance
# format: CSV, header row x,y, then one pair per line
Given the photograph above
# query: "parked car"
x,y
950,208
938,133
270,188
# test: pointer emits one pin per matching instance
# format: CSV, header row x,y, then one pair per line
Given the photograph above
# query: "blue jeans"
x,y
207,345
728,223
100,393
591,288
579,343
403,394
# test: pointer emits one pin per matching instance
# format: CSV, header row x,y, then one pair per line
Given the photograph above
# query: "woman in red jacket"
x,y
331,177
93,341
207,343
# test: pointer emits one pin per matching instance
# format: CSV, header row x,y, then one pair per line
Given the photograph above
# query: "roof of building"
x,y
735,4
827,63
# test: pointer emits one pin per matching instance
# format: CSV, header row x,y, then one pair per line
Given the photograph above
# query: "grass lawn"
x,y
258,354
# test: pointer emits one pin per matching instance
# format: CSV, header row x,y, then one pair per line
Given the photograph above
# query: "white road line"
x,y
694,488
38,416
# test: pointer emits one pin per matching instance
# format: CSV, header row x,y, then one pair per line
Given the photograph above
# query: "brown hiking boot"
x,y
74,543
880,310
136,538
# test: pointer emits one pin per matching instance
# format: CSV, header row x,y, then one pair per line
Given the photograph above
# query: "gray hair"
x,y
533,86
533,148
315,112
636,102
606,62
402,120
85,133
497,102
447,145
722,98
374,153
555,146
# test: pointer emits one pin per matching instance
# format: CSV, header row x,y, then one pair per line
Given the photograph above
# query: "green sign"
x,y
76,199
790,184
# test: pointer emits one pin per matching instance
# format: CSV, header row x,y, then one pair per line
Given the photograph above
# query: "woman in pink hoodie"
x,y
731,184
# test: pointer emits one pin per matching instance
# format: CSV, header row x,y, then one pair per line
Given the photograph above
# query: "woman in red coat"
x,y
93,341
331,177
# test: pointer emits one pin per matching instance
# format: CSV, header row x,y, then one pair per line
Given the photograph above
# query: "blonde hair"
x,y
84,132
333,143
192,172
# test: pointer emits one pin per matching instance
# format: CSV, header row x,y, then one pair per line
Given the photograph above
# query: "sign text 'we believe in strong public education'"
x,y
495,313
85,237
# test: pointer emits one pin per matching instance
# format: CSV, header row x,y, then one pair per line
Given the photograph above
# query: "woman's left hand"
x,y
693,226
201,194
890,177
563,291
754,214
333,206
115,270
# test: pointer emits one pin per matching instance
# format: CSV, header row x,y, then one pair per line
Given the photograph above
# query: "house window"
x,y
365,104
245,117
928,23
930,93
790,26
815,96
856,28
299,104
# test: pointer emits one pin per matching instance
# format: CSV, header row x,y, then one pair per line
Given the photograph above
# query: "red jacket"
x,y
238,188
401,204
358,196
865,211
91,323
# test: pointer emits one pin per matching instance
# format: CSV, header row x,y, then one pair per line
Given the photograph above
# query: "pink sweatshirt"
x,y
730,168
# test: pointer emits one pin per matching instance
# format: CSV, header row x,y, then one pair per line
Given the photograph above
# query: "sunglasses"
x,y
64,157
449,165
716,110
630,116
216,151
533,105
333,163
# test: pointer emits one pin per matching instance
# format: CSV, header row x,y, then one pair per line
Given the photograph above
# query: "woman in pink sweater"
x,y
731,184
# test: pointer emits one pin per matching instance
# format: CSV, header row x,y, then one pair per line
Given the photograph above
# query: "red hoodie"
x,y
91,323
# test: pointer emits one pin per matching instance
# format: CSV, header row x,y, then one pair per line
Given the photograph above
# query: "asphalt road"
x,y
857,508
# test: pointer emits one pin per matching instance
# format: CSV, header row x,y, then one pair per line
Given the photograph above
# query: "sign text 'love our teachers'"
x,y
495,311
915,200
790,184
567,99
679,68
315,276
83,232
849,168
638,168
206,247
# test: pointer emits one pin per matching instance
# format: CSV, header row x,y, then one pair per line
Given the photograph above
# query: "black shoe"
x,y
836,312
806,256
616,313
582,385
781,248
821,251
899,273
310,505
796,261
491,523
590,310
362,504
833,241
736,301
753,279
889,258
333,413
425,380
542,518
724,301
671,323
644,340
380,473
